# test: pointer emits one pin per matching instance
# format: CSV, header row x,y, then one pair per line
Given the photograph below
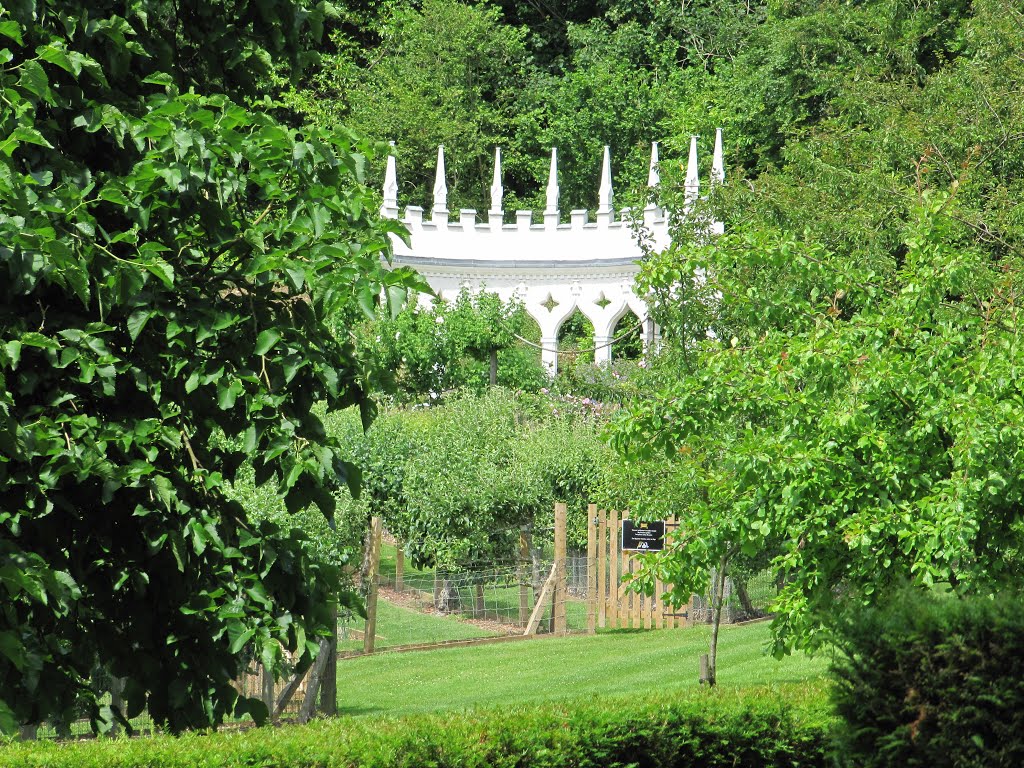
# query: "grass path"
x,y
397,625
607,664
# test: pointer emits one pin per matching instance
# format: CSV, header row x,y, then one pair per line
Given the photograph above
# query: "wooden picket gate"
x,y
613,605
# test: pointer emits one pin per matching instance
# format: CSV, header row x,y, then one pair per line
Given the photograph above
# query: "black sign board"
x,y
643,537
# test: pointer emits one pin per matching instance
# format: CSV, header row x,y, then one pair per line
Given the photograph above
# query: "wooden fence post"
x,y
399,567
613,569
522,574
371,593
560,591
592,596
602,569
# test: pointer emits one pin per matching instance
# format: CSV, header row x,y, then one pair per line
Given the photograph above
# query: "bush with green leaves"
x,y
168,257
448,346
564,458
709,731
930,680
456,481
464,502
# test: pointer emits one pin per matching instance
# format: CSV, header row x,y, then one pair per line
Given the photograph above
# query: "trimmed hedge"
x,y
708,731
930,681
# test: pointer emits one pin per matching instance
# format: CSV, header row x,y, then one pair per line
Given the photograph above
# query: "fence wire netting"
x,y
499,596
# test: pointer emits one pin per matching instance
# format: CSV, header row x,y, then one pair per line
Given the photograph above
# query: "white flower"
x,y
439,319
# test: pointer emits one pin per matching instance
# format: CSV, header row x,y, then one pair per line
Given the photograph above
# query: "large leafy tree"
x,y
850,392
168,257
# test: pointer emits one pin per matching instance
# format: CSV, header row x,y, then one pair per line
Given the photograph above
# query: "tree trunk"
x,y
744,598
316,673
116,702
494,367
446,596
268,689
329,680
717,603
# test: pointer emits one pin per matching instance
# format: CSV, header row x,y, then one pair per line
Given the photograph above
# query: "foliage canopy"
x,y
168,257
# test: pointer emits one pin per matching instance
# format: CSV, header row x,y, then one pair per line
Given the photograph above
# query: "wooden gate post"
x,y
613,569
371,592
522,576
592,568
560,591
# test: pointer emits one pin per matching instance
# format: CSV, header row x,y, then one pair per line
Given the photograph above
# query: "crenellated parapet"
x,y
552,266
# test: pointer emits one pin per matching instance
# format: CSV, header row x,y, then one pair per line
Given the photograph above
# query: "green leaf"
x,y
226,395
36,339
26,135
12,647
34,80
367,301
138,321
238,638
266,340
397,297
159,78
56,54
162,270
11,29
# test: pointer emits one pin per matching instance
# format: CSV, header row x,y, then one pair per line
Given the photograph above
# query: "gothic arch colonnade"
x,y
554,267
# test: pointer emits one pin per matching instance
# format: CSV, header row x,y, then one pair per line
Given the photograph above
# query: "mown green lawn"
x,y
621,662
402,626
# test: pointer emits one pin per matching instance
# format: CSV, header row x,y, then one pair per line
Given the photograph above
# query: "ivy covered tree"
x,y
168,257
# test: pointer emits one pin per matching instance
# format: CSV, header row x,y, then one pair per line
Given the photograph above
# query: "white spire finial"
x,y
718,163
390,186
604,193
552,201
653,175
692,178
440,209
497,192
651,210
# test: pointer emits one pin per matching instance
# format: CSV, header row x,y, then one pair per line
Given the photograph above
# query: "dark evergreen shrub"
x,y
932,681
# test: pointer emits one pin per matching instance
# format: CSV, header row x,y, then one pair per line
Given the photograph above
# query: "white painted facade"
x,y
552,267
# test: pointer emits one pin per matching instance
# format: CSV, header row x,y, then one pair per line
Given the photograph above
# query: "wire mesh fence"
x,y
502,596
744,598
